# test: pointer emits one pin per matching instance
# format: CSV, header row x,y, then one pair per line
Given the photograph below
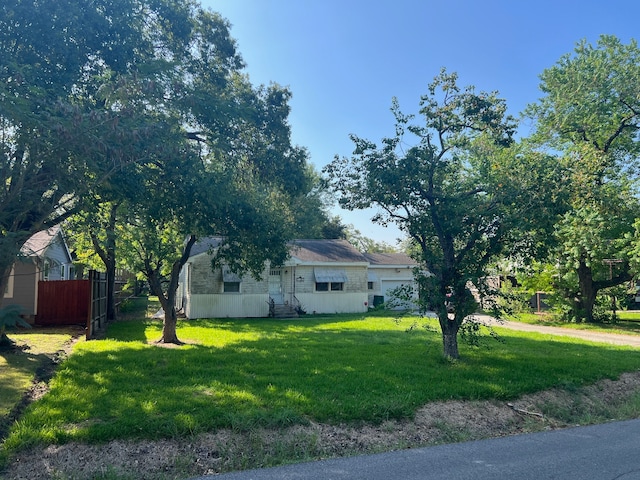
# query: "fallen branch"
x,y
526,412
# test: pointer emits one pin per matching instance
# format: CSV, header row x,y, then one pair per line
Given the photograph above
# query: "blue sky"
x,y
344,60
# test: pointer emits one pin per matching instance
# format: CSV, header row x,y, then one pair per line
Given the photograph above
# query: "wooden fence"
x,y
63,302
74,302
97,320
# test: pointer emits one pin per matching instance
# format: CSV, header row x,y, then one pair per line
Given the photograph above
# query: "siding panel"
x,y
227,306
333,302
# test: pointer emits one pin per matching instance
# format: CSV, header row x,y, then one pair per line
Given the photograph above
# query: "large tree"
x,y
589,117
63,129
454,184
248,216
131,107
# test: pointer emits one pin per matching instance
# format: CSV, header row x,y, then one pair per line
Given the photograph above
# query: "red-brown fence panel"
x,y
63,302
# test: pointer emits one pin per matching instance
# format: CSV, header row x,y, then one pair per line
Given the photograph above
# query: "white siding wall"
x,y
204,296
227,306
56,253
353,299
333,302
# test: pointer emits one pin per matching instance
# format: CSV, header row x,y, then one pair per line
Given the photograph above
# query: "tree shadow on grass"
x,y
23,378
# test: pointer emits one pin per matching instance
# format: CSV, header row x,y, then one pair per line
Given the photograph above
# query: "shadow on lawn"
x,y
16,396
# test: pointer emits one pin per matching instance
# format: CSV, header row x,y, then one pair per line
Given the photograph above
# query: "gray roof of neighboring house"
x,y
389,259
326,251
36,245
204,245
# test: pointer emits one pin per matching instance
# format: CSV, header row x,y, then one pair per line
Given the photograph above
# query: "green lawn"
x,y
17,371
630,316
247,373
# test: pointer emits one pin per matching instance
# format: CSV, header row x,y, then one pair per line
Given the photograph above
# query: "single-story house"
x,y
387,272
44,256
321,276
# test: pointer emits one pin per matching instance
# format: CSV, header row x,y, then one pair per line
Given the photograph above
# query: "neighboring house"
x,y
387,272
321,276
44,256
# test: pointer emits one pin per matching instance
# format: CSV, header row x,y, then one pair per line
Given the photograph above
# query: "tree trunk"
x,y
169,325
108,256
5,271
111,292
450,344
168,300
588,292
4,281
170,322
449,328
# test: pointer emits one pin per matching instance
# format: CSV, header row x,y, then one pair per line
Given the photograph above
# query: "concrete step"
x,y
284,311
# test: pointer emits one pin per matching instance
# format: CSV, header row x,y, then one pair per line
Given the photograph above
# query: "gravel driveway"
x,y
611,338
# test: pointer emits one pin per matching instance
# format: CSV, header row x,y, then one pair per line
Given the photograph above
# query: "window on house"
x,y
231,281
329,280
46,270
62,277
329,286
231,287
371,279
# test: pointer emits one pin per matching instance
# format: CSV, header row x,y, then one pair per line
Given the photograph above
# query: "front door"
x,y
275,285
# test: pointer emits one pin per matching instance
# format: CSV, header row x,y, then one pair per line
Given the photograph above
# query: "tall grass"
x,y
240,374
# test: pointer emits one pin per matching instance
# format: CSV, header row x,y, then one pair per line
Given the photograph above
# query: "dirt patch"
x,y
436,423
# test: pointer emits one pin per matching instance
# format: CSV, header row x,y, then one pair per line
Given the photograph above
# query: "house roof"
x,y
204,245
36,245
325,251
321,251
382,259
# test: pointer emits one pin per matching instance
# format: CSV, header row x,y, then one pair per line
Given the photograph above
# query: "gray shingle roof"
x,y
204,245
389,259
325,251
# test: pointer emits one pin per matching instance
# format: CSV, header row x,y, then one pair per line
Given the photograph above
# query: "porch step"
x,y
284,311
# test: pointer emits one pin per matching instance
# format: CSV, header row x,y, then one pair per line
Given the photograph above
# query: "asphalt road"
x,y
598,452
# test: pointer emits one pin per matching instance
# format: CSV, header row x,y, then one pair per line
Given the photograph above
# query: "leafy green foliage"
x,y
10,318
590,115
458,191
212,153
